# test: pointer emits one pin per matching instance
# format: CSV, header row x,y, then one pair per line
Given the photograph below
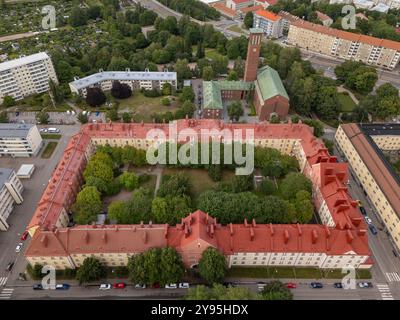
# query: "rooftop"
x,y
267,15
212,92
123,76
23,61
5,174
270,83
15,130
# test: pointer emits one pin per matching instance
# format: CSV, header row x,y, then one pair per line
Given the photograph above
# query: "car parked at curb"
x,y
171,286
368,220
365,285
291,285
119,285
140,286
62,286
105,286
338,285
19,247
373,230
184,285
24,235
10,266
316,285
37,287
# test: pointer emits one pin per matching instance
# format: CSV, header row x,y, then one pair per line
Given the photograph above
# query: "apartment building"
x,y
236,5
362,146
269,22
325,19
340,241
346,45
26,76
10,193
136,80
19,140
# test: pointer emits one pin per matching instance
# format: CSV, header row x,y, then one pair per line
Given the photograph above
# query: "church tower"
x,y
253,54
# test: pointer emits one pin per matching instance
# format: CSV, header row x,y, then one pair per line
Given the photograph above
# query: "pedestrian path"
x,y
385,292
6,293
3,281
392,277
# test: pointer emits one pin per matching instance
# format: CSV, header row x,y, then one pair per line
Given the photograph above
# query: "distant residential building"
x,y
287,19
244,11
325,19
265,3
236,5
19,140
10,193
26,76
363,4
346,45
136,80
395,4
224,10
269,22
362,16
381,7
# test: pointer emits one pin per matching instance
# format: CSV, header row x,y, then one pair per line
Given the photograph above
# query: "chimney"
x,y
253,223
361,232
300,232
144,236
231,229
245,222
150,224
141,224
271,229
286,236
356,221
187,231
166,231
212,231
44,240
314,236
251,234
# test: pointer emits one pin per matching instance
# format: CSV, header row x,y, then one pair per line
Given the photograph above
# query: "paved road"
x,y
18,36
21,215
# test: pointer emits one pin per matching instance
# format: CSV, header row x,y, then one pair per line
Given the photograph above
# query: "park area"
x,y
346,102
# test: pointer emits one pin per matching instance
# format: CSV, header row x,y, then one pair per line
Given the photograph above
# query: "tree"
x,y
235,110
215,172
274,119
239,67
317,125
82,118
3,117
78,16
304,207
166,89
267,187
233,76
165,101
242,183
100,166
293,183
171,266
212,265
174,185
187,94
42,117
182,69
90,270
87,206
129,180
220,292
95,96
276,290
200,53
208,73
248,20
56,91
8,101
126,117
112,114
120,90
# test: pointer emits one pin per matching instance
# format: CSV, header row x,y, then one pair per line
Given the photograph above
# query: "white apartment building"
x,y
271,23
10,193
136,80
19,140
26,76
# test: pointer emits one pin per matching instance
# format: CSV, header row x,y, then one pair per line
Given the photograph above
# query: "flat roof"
x,y
5,174
123,76
15,130
23,60
25,169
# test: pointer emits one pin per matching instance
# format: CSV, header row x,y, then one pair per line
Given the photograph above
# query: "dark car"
x,y
229,284
10,266
63,286
316,285
338,285
363,211
37,287
373,230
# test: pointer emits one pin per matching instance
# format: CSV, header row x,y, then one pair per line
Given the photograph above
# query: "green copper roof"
x,y
269,83
212,91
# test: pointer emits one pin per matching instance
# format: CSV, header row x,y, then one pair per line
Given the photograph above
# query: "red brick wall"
x,y
212,113
277,104
232,95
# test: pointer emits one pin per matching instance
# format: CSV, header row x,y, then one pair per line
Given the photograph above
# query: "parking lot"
x,y
59,118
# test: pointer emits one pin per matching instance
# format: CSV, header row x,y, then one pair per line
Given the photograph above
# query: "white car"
x,y
368,220
171,286
43,130
184,285
19,247
105,286
140,286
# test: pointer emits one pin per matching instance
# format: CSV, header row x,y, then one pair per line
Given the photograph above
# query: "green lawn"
x,y
51,136
48,151
346,102
199,179
236,29
143,107
150,184
212,53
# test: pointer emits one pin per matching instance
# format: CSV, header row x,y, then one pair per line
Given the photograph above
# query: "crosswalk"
x,y
3,281
385,292
6,293
392,276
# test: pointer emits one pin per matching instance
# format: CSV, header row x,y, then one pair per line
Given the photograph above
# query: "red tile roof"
x,y
224,9
267,15
322,16
251,9
328,176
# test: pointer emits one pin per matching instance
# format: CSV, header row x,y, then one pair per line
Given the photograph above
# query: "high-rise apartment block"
x,y
10,193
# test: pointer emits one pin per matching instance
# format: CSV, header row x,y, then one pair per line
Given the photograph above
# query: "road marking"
x,y
392,276
3,281
6,293
385,292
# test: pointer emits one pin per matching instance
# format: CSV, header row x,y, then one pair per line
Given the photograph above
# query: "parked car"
x,y
37,287
43,130
140,286
365,285
24,235
10,266
155,285
97,113
363,211
368,220
17,114
316,285
373,230
119,285
184,285
19,247
338,285
171,286
291,285
105,286
62,286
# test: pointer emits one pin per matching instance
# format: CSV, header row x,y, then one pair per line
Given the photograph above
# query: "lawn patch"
x,y
346,102
48,151
51,136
